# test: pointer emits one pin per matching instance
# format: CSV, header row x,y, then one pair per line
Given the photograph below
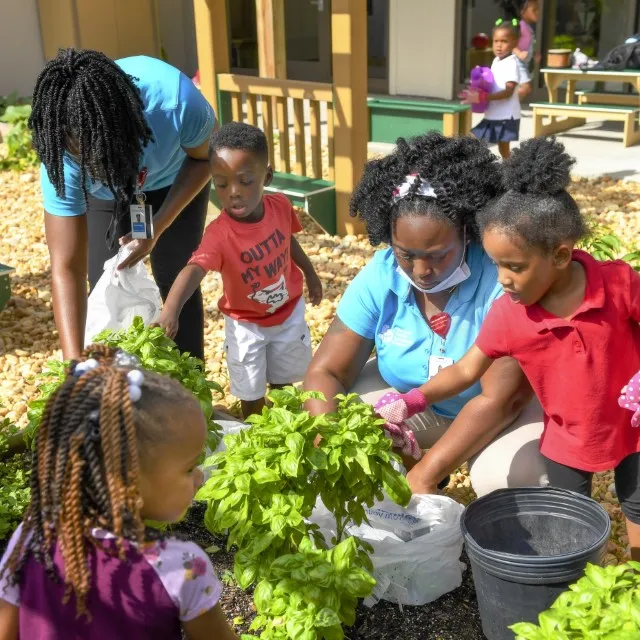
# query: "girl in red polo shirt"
x,y
569,320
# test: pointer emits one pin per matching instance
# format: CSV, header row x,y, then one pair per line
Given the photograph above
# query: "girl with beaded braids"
x,y
116,446
570,321
420,303
110,133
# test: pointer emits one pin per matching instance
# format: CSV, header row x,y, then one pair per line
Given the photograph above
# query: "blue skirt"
x,y
497,130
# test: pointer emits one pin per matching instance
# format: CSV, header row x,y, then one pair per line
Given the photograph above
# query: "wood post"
x,y
349,63
212,41
272,57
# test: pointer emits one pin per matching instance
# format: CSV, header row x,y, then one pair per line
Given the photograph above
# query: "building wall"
x,y
422,49
20,47
178,34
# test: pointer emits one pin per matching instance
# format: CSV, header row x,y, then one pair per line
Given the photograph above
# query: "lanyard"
x,y
142,178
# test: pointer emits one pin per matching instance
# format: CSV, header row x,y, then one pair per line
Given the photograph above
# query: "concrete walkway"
x,y
597,147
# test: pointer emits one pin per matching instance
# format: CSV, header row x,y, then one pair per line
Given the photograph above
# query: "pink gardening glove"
x,y
630,399
403,438
397,407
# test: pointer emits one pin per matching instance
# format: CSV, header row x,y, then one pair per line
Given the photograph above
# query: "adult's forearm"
x,y
480,421
192,177
328,385
69,309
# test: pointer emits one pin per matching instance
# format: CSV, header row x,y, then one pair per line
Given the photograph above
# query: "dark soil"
x,y
452,617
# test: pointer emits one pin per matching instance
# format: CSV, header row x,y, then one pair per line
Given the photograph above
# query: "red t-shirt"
x,y
577,367
260,282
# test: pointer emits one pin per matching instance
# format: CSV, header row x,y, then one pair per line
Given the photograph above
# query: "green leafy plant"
x,y
609,247
311,593
20,151
602,605
157,353
14,480
268,480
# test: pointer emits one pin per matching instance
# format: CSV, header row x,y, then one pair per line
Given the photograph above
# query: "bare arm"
x,y
184,287
211,625
67,240
458,377
313,281
520,54
336,364
191,178
8,621
507,92
505,392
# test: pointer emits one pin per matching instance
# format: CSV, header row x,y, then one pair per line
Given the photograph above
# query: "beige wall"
x,y
20,46
422,43
178,34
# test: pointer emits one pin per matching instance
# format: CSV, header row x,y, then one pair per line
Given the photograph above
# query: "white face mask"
x,y
461,273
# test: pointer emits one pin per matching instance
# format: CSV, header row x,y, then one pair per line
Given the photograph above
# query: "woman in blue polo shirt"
x,y
421,303
109,135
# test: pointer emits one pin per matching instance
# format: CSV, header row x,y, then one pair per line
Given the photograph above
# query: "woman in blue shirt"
x,y
111,134
420,303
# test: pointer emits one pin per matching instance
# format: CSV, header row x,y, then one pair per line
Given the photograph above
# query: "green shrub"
x,y
602,605
20,151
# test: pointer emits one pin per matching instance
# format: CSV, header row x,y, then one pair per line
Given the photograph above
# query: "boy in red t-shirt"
x,y
251,245
571,322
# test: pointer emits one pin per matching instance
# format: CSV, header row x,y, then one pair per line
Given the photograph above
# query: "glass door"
x,y
308,39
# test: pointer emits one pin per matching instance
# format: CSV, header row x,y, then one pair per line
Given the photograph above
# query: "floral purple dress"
x,y
143,597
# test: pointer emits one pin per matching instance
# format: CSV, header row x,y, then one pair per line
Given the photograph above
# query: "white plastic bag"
x,y
119,296
416,550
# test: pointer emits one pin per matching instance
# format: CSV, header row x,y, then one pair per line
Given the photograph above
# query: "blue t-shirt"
x,y
380,305
179,117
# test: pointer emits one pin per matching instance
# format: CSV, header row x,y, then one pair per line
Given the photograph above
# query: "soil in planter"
x,y
453,617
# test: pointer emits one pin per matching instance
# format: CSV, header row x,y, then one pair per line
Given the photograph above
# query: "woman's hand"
x,y
141,248
397,407
419,484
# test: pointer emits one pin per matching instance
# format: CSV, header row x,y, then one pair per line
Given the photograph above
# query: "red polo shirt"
x,y
578,366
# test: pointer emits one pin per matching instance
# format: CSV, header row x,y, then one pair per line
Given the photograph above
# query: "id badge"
x,y
437,363
141,221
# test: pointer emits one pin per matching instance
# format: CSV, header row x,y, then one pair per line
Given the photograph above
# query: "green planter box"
x,y
391,117
5,285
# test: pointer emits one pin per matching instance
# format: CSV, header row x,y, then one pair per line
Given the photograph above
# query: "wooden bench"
x,y
391,117
575,115
608,97
5,285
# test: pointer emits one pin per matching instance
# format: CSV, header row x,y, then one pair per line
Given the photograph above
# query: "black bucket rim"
x,y
510,566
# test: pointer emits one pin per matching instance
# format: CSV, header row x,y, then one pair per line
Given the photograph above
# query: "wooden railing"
x,y
263,96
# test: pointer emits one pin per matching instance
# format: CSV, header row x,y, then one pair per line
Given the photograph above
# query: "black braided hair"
x,y
85,104
536,208
462,171
512,8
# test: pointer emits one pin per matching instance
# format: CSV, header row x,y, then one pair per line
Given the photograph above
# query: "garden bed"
x,y
28,339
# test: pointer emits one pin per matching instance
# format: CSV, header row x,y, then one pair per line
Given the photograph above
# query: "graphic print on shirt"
x,y
267,258
275,295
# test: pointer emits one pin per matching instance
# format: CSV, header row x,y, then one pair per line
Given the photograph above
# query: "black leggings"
x,y
627,478
169,256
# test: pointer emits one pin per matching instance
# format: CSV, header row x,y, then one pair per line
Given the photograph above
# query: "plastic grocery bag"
x,y
119,296
416,549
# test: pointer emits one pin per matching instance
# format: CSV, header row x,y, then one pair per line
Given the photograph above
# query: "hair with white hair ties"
x,y
402,190
135,377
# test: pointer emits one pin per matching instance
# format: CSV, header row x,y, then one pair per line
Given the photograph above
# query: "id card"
x,y
437,363
141,221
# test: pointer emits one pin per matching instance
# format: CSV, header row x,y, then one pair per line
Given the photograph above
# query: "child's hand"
x,y
169,322
315,289
397,407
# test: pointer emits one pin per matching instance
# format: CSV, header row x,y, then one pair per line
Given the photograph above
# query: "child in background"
x,y
569,320
116,446
501,123
251,244
529,13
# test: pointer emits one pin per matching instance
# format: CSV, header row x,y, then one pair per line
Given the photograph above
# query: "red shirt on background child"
x,y
577,366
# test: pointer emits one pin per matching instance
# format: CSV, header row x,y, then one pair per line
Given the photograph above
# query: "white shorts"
x,y
259,355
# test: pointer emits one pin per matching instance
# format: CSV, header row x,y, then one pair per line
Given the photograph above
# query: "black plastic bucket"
x,y
526,546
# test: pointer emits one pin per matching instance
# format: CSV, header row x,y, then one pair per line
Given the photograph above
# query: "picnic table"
x,y
580,105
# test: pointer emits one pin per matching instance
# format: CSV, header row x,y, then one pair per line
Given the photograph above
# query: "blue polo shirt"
x,y
179,117
380,305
